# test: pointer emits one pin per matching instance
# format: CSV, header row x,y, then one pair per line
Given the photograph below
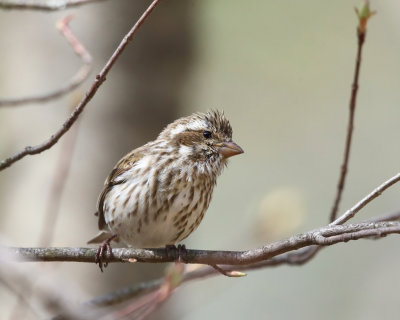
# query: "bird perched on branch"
x,y
157,194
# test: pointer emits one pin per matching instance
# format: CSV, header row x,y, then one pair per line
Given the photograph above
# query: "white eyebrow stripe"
x,y
194,125
178,129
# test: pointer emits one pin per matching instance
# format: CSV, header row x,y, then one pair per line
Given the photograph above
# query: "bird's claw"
x,y
104,251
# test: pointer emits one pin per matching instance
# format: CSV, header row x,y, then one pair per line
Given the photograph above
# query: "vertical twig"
x,y
363,16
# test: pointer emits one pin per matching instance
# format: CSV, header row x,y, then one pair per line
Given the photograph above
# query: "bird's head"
x,y
202,137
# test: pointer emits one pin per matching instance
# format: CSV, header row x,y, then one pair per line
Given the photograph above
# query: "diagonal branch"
x,y
362,203
74,82
100,78
42,5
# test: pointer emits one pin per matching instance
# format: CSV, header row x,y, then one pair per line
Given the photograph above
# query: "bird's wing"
x,y
126,163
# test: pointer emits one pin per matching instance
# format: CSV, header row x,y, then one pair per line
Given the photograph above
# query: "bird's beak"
x,y
229,149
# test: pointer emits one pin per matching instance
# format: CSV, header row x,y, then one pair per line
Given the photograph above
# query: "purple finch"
x,y
157,194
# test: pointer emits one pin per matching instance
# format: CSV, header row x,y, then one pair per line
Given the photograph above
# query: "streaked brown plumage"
x,y
157,194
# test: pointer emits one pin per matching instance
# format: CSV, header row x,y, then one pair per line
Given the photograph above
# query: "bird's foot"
x,y
178,253
104,249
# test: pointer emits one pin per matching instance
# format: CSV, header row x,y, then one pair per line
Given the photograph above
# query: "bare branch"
x,y
74,82
350,126
42,5
295,258
324,236
362,203
100,78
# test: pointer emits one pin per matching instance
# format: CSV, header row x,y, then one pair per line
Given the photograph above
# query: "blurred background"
x,y
282,72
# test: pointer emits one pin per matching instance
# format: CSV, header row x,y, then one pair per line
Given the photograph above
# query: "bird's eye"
x,y
207,134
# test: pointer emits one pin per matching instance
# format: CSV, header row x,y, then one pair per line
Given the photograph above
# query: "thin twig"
x,y
350,126
74,82
362,203
100,78
41,5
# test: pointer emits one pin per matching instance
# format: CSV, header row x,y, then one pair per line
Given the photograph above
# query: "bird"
x,y
157,194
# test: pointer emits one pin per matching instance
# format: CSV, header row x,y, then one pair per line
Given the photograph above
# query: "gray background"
x,y
282,71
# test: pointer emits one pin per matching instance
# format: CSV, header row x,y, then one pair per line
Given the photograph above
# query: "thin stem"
x,y
363,202
350,127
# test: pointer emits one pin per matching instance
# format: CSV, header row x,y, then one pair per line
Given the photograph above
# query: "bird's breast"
x,y
159,208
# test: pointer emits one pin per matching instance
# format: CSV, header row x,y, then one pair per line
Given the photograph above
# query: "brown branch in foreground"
x,y
325,236
100,78
295,258
42,5
74,82
350,126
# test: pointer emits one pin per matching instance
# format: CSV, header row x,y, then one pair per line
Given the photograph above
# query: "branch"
x,y
296,258
293,258
350,126
324,236
100,78
74,82
362,203
42,5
